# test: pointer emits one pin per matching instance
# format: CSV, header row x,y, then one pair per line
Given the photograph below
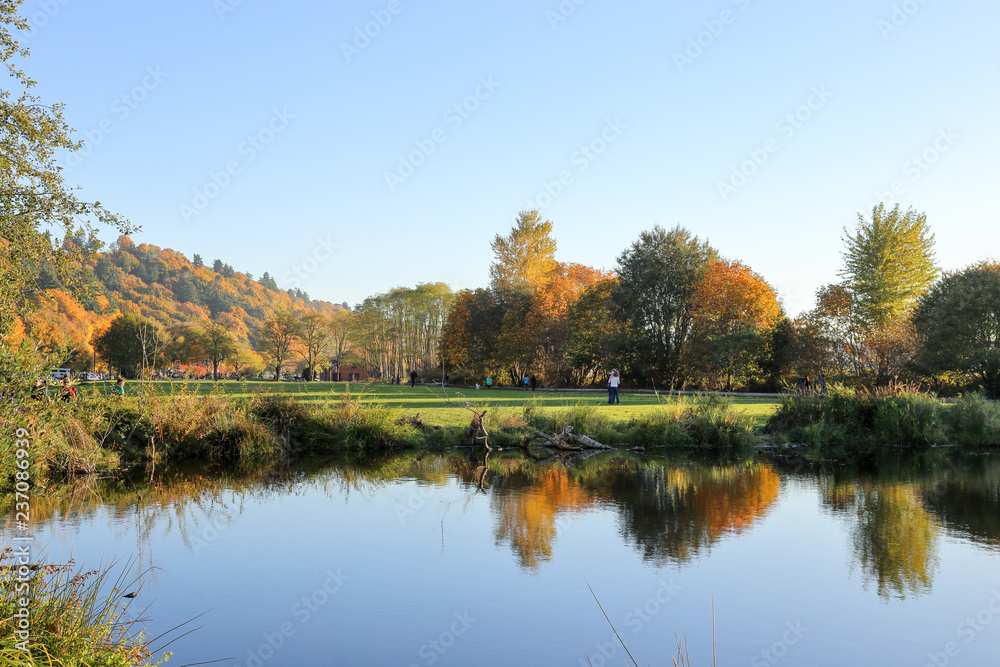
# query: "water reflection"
x,y
675,513
669,510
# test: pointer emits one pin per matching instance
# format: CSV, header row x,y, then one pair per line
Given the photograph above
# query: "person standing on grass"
x,y
526,383
534,382
489,382
413,379
613,382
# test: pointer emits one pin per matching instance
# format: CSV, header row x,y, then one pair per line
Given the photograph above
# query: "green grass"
x,y
440,407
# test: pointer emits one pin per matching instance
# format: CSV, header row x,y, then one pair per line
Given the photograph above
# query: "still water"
x,y
447,559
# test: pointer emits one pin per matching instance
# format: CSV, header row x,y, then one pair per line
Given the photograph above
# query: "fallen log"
x,y
562,440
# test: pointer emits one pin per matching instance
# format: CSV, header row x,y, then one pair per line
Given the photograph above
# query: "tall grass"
x,y
76,618
705,422
893,416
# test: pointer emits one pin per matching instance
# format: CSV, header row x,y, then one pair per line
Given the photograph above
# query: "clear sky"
x,y
280,137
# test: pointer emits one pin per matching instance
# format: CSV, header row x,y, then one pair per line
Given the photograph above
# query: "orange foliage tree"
x,y
734,309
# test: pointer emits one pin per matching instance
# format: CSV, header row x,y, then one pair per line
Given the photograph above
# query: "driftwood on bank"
x,y
477,428
563,440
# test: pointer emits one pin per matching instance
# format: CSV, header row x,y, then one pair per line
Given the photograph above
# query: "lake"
x,y
449,559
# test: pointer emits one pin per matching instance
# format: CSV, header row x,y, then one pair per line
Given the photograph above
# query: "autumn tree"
x,y
733,312
34,199
958,322
658,275
471,332
277,337
523,258
593,333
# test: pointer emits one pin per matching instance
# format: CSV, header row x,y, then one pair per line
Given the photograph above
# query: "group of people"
x,y
68,392
804,385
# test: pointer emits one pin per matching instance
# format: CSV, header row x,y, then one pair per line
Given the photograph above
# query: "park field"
x,y
439,406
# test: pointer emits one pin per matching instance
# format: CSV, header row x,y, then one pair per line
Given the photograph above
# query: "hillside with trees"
x,y
193,312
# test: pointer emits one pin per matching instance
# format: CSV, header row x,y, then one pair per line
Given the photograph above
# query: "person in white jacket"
x,y
613,382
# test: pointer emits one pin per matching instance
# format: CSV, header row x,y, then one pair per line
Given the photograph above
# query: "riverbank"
x,y
235,424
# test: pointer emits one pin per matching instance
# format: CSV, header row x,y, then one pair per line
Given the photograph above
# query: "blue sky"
x,y
279,137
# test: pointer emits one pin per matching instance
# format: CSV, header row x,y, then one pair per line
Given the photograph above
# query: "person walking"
x,y
613,383
526,383
534,382
489,382
413,379
119,388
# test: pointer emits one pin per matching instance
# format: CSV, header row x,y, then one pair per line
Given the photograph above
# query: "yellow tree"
x,y
525,257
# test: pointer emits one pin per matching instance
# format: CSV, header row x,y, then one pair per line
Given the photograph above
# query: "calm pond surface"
x,y
438,559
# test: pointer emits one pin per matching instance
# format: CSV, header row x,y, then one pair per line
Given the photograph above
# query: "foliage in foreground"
x,y
75,618
894,416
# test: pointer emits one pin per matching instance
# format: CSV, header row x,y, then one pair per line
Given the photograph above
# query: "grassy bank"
x,y
892,416
242,423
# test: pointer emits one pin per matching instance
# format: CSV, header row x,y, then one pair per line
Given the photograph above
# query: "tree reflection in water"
x,y
669,513
675,513
895,539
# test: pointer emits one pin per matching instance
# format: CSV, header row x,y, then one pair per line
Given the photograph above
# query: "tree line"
x,y
674,314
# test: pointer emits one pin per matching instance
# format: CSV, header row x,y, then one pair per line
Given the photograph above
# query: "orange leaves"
x,y
732,296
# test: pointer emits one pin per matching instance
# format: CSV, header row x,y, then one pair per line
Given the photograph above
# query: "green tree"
x,y
525,257
315,338
185,345
888,263
658,275
217,339
277,337
33,195
958,323
133,344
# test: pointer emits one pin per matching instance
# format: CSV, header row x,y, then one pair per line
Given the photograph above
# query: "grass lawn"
x,y
436,405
